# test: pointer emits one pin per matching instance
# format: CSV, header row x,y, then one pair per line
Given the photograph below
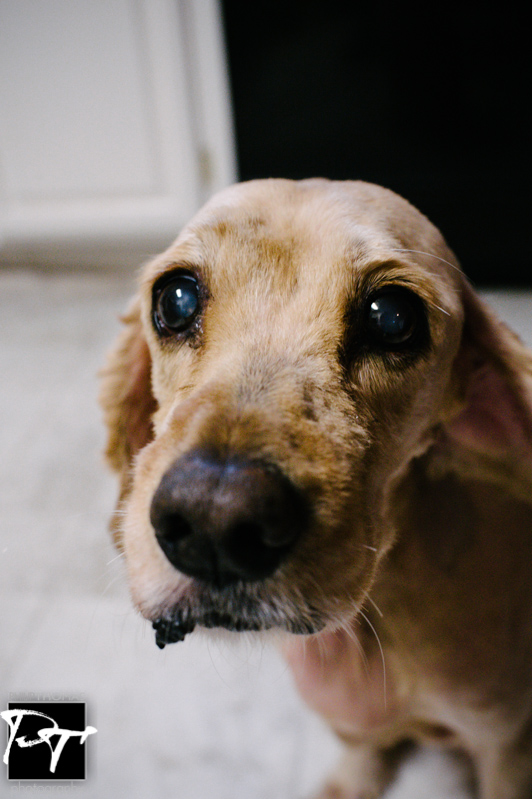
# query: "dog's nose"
x,y
226,520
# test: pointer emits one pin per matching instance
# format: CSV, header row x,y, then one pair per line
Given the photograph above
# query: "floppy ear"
x,y
128,403
493,370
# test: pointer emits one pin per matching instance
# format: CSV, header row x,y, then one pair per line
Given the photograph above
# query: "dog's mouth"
x,y
242,607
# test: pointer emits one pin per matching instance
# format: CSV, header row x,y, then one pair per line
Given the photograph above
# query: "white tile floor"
x,y
202,719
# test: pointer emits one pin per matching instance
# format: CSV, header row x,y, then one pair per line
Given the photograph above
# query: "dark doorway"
x,y
433,105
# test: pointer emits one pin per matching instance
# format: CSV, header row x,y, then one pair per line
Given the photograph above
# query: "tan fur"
x,y
416,560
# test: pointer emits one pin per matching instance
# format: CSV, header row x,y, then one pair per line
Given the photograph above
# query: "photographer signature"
x,y
14,719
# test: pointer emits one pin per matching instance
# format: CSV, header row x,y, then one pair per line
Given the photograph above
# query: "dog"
x,y
321,429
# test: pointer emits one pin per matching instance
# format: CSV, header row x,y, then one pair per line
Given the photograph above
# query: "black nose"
x,y
226,520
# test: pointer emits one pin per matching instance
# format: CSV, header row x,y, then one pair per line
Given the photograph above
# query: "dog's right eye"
x,y
176,304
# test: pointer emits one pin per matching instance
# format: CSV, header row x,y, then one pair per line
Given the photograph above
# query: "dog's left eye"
x,y
175,304
393,318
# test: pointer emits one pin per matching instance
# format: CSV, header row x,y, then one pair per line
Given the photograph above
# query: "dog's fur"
x,y
411,583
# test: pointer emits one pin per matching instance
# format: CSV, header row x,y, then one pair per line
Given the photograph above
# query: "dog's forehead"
x,y
327,215
312,230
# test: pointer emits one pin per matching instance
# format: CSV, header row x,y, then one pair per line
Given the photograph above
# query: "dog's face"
x,y
301,339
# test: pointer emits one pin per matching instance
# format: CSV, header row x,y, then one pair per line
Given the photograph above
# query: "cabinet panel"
x,y
107,112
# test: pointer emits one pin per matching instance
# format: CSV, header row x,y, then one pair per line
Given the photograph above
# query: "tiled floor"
x,y
207,718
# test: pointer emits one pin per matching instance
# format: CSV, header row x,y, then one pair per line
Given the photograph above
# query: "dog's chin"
x,y
239,607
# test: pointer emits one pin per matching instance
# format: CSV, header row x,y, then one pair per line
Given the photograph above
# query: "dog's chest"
x,y
347,682
368,693
455,600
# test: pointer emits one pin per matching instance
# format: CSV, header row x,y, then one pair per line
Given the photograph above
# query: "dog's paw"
x,y
334,791
362,773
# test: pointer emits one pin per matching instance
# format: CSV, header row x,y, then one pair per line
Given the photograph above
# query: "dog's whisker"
x,y
110,583
347,627
370,599
116,558
323,655
213,662
429,255
371,626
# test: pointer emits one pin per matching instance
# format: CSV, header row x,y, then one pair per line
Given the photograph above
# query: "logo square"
x,y
46,741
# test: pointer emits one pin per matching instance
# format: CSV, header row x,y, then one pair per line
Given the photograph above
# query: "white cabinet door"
x,y
115,125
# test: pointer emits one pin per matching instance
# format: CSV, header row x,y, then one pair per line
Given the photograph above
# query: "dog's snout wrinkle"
x,y
223,520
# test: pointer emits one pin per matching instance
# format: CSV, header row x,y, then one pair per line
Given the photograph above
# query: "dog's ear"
x,y
128,403
493,372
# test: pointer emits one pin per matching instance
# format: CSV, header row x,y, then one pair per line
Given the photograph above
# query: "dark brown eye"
x,y
394,318
176,303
